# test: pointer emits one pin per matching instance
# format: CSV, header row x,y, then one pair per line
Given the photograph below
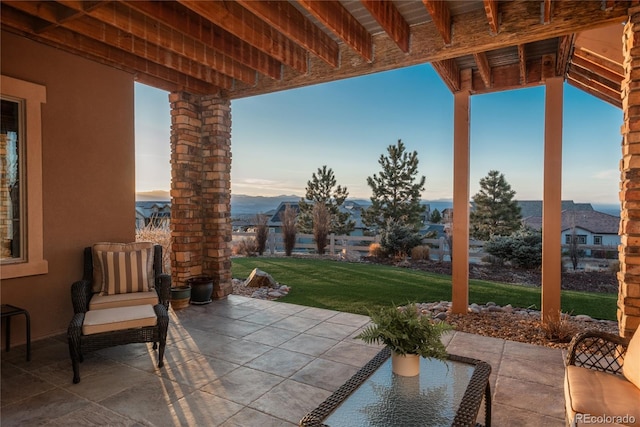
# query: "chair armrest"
x,y
163,288
598,350
81,294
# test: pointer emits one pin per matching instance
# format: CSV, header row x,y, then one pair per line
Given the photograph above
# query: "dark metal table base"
x,y
8,311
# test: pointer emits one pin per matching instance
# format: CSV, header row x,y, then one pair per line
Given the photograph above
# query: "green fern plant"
x,y
405,331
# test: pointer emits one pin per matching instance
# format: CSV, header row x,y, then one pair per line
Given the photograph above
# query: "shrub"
x,y
246,247
561,329
321,226
522,249
375,250
262,232
160,234
288,218
398,239
614,267
421,252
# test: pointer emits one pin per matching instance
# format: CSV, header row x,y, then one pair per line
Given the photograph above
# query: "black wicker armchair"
x,y
82,293
602,379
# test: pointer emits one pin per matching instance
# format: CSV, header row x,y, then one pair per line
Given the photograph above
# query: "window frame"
x,y
598,237
32,262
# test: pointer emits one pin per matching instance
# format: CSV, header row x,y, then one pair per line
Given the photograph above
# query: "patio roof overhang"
x,y
243,48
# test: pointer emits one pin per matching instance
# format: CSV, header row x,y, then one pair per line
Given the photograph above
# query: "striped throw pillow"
x,y
124,272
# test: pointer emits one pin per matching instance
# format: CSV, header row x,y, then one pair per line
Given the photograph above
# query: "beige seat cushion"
x,y
99,302
631,366
598,393
116,319
106,247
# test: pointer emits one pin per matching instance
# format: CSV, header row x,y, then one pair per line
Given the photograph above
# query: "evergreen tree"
x,y
495,212
396,190
322,189
435,217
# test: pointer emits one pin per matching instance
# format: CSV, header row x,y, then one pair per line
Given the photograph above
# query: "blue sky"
x,y
279,140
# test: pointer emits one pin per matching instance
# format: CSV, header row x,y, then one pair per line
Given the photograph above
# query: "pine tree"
x,y
396,190
495,212
322,189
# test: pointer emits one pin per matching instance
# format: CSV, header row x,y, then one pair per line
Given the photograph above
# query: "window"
x,y
21,245
580,238
597,240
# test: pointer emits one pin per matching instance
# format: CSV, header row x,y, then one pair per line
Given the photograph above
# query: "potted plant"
x,y
408,334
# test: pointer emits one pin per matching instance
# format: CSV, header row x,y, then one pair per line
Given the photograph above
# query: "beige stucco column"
x,y
201,189
552,201
460,250
629,251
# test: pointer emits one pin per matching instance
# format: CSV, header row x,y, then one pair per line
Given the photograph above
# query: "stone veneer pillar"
x,y
201,189
629,252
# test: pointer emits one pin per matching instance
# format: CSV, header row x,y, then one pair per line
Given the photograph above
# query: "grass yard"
x,y
357,287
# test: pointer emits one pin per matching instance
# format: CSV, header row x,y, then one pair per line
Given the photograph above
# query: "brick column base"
x,y
629,274
201,189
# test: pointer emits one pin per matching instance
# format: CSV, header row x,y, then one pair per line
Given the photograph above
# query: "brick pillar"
x,y
201,189
629,275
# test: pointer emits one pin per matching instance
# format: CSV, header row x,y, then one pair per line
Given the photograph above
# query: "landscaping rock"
x,y
259,279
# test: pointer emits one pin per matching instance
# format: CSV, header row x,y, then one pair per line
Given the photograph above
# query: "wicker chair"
x,y
602,378
81,295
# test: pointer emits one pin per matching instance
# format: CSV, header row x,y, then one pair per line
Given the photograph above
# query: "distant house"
x,y
152,212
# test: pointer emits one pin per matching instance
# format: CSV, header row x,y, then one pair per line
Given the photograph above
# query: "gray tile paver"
x,y
245,362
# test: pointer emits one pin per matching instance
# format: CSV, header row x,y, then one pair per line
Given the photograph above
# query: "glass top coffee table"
x,y
445,393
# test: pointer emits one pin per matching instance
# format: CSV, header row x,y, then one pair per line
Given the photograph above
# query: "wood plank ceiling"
x,y
242,48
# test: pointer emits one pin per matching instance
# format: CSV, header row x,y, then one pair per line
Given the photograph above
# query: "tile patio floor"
x,y
247,362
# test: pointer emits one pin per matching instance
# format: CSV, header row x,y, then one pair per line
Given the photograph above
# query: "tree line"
x,y
396,211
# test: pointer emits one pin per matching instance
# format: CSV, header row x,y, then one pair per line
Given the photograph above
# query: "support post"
x,y
552,201
460,230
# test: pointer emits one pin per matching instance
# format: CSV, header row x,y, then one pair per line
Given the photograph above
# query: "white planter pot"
x,y
405,365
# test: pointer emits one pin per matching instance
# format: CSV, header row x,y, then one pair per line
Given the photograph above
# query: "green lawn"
x,y
356,287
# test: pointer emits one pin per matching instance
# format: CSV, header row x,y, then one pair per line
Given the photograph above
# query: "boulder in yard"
x,y
260,279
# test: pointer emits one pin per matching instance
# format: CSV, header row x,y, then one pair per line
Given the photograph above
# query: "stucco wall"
x,y
88,173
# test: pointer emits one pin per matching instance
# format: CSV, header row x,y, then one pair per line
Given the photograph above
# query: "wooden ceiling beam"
x,y
449,73
284,17
612,66
613,100
109,36
143,70
597,81
391,21
491,9
336,17
132,22
546,11
483,67
243,24
520,24
565,46
600,91
441,17
522,64
507,77
192,25
596,68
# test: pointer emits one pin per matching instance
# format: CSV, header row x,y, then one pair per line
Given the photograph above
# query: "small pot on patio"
x,y
408,334
180,296
201,289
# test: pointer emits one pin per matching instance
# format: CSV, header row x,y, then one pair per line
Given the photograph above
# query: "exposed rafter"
x,y
565,46
441,16
546,11
522,64
110,36
293,24
334,16
145,71
449,72
134,23
390,19
491,9
192,25
243,24
483,67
